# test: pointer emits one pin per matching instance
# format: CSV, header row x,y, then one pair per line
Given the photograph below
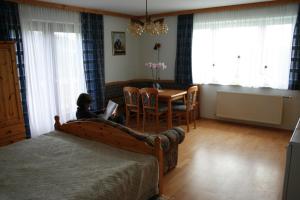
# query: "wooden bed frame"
x,y
104,133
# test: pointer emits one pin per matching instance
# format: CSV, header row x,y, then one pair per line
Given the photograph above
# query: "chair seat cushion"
x,y
178,102
161,108
179,107
132,109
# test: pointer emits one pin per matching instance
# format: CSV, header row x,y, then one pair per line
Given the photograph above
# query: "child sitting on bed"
x,y
83,110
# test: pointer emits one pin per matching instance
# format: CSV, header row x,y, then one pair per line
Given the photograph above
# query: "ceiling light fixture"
x,y
154,28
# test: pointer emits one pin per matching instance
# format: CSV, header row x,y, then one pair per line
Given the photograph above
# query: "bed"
x,y
82,160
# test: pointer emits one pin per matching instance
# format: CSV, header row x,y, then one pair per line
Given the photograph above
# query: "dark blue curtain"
x,y
93,58
183,68
10,29
294,79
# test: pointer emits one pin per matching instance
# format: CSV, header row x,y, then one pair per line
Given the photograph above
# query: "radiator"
x,y
250,107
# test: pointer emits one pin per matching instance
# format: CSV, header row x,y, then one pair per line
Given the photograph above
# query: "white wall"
x,y
291,111
122,67
291,106
138,52
167,51
141,50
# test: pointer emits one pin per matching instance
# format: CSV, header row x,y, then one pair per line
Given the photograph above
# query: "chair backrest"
x,y
149,98
191,99
131,97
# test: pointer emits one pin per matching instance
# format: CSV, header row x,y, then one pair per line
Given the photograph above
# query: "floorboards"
x,y
226,161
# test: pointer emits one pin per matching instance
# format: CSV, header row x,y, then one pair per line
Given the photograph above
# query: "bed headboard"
x,y
110,134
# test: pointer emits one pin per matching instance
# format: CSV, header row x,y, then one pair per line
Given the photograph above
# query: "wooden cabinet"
x,y
12,126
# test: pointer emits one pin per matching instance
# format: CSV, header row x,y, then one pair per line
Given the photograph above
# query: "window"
x,y
250,48
54,65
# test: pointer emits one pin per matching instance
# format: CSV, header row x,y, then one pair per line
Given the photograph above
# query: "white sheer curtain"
x,y
247,47
53,63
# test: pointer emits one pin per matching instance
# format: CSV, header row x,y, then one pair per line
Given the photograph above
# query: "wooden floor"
x,y
225,161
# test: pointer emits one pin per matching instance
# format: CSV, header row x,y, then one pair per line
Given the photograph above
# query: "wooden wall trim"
x,y
72,8
175,13
225,8
136,80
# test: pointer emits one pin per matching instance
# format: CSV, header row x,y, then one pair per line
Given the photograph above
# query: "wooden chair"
x,y
189,107
151,106
132,103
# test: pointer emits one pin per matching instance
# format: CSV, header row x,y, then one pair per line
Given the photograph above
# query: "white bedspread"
x,y
60,166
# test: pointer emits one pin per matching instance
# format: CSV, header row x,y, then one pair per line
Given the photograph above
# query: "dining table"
x,y
170,95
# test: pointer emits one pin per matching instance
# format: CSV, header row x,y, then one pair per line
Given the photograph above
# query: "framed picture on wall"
x,y
118,43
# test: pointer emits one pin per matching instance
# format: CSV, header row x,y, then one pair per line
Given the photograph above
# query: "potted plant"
x,y
156,67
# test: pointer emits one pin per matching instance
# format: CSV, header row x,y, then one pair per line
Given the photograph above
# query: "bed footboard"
x,y
104,132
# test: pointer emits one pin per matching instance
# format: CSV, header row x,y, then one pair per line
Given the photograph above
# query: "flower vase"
x,y
156,85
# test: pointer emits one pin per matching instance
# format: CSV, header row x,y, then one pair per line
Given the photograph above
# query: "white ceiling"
x,y
137,7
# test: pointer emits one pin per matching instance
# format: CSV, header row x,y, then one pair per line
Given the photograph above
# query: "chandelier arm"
x,y
137,21
161,20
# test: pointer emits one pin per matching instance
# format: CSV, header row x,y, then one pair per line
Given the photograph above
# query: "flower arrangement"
x,y
156,67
